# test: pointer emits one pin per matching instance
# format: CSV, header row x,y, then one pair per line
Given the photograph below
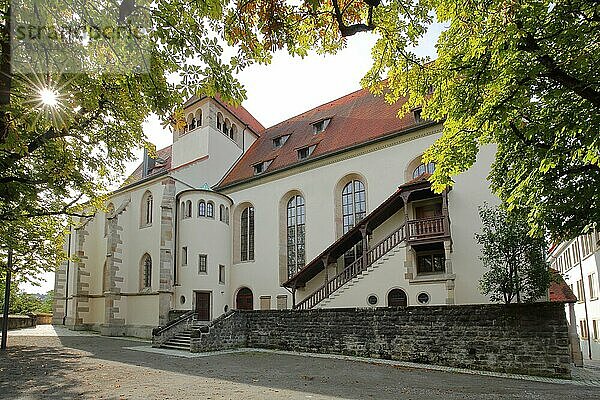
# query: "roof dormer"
x,y
320,125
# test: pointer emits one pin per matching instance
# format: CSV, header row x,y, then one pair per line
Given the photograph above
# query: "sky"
x,y
285,88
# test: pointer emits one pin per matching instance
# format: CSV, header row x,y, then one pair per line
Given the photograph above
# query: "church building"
x,y
330,208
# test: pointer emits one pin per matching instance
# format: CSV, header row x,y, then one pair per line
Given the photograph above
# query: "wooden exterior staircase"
x,y
363,265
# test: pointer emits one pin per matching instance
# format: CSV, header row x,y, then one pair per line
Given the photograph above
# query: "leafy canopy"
x,y
516,264
521,74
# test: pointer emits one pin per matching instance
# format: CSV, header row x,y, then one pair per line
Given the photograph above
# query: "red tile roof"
x,y
355,118
560,292
164,154
238,111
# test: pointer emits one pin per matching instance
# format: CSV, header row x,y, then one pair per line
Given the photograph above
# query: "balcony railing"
x,y
428,228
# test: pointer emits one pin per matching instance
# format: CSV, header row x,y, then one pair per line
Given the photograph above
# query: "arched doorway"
x,y
397,298
244,299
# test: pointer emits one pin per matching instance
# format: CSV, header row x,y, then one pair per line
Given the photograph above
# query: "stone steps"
x,y
182,340
348,285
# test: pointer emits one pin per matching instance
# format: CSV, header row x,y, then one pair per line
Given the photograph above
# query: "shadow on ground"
x,y
47,368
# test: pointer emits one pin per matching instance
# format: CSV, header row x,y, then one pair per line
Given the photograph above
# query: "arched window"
x,y
222,213
227,215
219,121
210,209
147,208
422,168
226,126
247,234
183,209
234,132
146,271
354,207
201,208
188,209
199,117
191,122
397,298
295,235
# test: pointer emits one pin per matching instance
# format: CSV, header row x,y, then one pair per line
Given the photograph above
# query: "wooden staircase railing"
x,y
354,269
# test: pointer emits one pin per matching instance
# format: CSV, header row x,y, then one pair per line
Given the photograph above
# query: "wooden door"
x,y
244,299
203,306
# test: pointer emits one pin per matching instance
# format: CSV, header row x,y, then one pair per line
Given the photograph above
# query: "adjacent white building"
x,y
331,208
578,261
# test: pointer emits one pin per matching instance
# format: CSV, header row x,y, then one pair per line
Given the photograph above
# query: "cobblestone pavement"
x,y
48,363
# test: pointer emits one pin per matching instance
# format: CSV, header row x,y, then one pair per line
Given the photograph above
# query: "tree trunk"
x,y
6,301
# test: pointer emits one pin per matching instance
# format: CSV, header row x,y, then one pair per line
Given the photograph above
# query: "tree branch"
x,y
556,73
352,29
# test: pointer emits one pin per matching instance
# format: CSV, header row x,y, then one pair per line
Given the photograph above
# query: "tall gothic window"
x,y
354,207
247,234
146,271
147,206
295,235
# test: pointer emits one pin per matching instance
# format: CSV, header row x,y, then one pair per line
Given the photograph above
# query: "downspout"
x,y
175,244
67,278
587,321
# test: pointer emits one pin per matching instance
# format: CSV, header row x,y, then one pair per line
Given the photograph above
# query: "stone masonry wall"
x,y
526,339
229,331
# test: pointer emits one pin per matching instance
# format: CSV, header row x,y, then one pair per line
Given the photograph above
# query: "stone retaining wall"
x,y
19,321
525,339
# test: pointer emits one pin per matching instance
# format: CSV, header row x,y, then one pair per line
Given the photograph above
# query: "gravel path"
x,y
94,367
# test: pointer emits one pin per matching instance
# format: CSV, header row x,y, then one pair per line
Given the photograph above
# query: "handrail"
x,y
427,227
183,317
354,269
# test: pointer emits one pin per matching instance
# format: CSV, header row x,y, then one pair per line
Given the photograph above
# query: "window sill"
x,y
431,277
593,298
145,226
245,262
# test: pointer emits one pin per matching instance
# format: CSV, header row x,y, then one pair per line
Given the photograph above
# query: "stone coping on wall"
x,y
527,339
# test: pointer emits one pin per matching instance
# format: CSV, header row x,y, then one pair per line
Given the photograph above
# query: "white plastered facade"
x,y
114,301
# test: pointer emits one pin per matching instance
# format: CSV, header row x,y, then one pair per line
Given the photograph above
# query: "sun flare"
x,y
48,97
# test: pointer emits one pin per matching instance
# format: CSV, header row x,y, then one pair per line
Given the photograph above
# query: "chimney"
x,y
148,164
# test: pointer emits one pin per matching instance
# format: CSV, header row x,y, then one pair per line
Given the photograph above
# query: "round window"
x,y
182,299
372,299
423,298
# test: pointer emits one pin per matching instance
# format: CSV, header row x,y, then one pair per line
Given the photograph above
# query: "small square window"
x,y
280,141
320,126
202,264
417,114
430,263
259,168
305,152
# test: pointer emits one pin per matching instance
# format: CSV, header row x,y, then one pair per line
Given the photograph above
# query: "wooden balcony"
x,y
428,229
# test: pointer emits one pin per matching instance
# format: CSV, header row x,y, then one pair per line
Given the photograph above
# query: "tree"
x,y
520,74
78,78
28,247
516,262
